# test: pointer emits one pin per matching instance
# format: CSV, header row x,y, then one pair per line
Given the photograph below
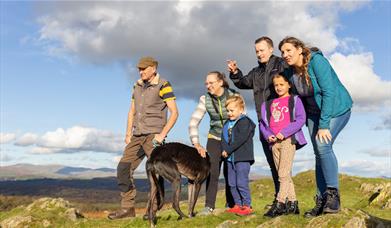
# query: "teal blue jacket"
x,y
330,95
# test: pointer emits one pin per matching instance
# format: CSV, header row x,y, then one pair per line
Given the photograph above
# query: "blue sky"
x,y
67,71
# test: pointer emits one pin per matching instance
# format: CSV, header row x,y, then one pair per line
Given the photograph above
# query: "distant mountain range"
x,y
29,171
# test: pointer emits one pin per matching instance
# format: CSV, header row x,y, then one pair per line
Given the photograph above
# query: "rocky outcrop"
x,y
276,222
347,218
48,204
379,194
42,208
227,224
16,221
363,219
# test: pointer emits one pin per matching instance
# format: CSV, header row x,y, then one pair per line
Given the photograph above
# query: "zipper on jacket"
x,y
220,111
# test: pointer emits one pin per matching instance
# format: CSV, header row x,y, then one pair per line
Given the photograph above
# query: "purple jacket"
x,y
293,130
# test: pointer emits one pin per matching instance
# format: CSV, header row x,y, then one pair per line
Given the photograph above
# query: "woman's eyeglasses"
x,y
210,83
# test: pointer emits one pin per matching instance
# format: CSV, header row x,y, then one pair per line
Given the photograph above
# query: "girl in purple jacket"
x,y
281,123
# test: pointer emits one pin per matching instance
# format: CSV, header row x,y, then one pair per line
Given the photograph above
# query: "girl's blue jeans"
x,y
326,165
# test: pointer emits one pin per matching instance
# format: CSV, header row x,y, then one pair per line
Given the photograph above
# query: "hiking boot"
x,y
206,211
292,207
122,213
245,210
332,201
276,210
234,209
317,210
268,206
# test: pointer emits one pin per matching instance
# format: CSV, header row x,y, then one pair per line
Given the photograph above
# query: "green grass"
x,y
262,193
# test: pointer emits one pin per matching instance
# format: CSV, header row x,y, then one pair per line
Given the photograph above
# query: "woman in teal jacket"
x,y
328,107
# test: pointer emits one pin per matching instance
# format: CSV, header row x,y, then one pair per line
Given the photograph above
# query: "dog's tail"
x,y
159,183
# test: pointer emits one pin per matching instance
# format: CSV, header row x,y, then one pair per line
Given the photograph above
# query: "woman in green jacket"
x,y
328,107
213,103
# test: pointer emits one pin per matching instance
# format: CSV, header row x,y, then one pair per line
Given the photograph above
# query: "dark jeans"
x,y
214,149
269,158
238,180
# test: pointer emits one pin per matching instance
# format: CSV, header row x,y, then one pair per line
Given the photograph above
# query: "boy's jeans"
x,y
326,168
238,181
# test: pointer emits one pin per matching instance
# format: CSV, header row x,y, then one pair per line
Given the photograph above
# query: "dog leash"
x,y
155,143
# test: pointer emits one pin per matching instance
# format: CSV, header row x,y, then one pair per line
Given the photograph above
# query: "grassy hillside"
x,y
360,208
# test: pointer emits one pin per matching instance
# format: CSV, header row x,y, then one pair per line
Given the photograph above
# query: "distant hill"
x,y
29,171
96,190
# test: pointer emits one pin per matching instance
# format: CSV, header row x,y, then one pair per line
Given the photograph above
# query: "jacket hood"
x,y
314,53
241,118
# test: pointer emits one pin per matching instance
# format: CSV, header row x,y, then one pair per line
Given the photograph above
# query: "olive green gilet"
x,y
215,106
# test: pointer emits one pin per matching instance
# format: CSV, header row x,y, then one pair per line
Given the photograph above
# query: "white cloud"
x,y
366,168
304,164
6,137
368,90
45,150
74,139
27,139
386,123
185,35
378,152
89,29
5,158
350,45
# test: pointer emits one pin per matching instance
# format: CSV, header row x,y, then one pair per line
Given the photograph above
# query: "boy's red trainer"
x,y
245,210
234,209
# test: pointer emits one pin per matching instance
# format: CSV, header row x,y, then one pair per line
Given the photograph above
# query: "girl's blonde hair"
x,y
237,99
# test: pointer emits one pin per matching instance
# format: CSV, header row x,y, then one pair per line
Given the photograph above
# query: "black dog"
x,y
170,161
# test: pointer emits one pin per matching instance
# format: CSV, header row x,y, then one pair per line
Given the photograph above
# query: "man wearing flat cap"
x,y
147,125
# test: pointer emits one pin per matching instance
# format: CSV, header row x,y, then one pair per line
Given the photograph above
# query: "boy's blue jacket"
x,y
241,140
330,95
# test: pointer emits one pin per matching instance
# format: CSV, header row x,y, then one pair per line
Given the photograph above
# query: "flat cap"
x,y
146,61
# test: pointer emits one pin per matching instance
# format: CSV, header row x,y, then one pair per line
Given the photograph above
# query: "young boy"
x,y
237,144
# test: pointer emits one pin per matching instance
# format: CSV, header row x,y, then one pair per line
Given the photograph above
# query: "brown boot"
x,y
122,213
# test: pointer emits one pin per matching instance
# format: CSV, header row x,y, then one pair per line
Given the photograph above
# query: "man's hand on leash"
x,y
155,143
224,154
159,138
200,150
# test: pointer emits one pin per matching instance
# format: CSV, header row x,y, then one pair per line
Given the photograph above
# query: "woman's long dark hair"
x,y
303,70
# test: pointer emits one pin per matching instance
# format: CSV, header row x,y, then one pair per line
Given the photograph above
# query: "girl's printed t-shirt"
x,y
280,116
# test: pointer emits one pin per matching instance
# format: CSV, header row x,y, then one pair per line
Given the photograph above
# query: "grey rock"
x,y
227,224
16,221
